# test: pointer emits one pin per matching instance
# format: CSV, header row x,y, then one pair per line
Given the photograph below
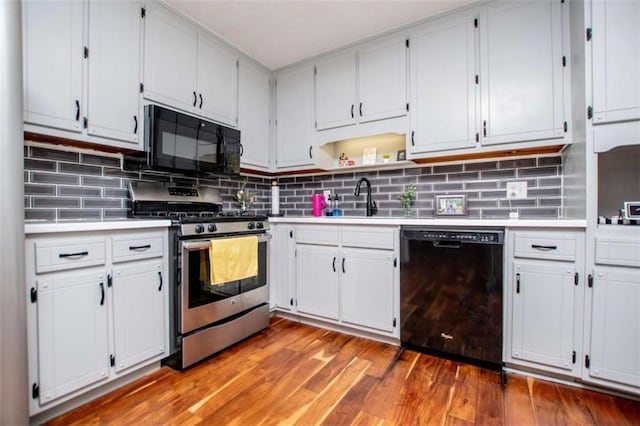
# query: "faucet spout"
x,y
371,205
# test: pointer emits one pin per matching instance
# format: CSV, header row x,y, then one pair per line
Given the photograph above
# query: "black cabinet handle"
x,y
310,152
135,124
343,271
518,282
160,277
539,247
360,109
195,98
77,110
144,247
484,128
291,301
334,263
101,294
352,106
200,100
413,142
79,254
241,150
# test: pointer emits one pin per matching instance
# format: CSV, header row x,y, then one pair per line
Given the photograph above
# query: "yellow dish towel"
x,y
233,259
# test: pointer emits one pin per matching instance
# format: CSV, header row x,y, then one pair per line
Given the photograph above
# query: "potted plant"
x,y
386,158
407,198
243,198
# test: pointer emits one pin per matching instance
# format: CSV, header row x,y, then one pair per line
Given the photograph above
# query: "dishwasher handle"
x,y
452,245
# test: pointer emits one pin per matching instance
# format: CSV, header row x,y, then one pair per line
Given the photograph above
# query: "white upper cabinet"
x,y
170,59
188,69
444,93
521,73
361,85
255,93
217,81
616,60
53,45
114,70
294,117
335,93
382,79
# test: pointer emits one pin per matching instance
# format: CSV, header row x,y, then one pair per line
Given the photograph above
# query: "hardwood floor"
x,y
297,374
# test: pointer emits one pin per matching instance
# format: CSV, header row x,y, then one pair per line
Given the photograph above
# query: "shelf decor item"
x,y
407,198
369,156
243,198
386,158
451,205
402,155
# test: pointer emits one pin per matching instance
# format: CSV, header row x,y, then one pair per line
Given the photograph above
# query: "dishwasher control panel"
x,y
470,236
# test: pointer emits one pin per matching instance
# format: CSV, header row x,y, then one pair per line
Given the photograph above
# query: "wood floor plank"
x,y
296,374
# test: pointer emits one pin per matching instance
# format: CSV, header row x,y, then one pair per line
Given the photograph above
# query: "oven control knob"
x,y
212,227
259,225
199,229
251,225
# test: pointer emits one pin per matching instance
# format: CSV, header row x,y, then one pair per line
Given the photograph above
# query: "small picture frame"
x,y
451,205
402,155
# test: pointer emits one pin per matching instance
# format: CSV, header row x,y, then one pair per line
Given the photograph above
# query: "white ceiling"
x,y
281,32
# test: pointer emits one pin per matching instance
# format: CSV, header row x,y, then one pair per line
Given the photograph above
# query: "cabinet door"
x,y
217,81
543,313
444,94
138,312
382,79
615,326
53,43
616,60
72,332
317,280
255,88
284,272
521,72
335,97
170,59
114,70
294,117
366,288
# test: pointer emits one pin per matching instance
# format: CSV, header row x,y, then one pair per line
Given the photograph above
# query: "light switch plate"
x,y
516,190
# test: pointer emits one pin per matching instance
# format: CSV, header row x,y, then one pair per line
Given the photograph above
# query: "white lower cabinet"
x,y
282,268
138,312
97,309
347,275
614,353
366,291
318,289
72,344
544,295
543,313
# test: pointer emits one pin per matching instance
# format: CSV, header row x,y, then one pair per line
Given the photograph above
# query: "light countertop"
x,y
396,221
79,226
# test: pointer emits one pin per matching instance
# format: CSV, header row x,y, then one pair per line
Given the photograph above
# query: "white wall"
x,y
13,342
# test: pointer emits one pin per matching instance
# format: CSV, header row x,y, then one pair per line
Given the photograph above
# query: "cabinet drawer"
x,y
368,237
61,254
136,246
556,246
317,234
618,251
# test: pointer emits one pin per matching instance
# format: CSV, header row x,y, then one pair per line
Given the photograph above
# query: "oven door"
x,y
202,304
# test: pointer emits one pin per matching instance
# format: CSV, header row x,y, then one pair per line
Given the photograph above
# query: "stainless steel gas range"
x,y
208,315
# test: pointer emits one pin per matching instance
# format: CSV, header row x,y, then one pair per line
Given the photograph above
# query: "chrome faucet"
x,y
371,205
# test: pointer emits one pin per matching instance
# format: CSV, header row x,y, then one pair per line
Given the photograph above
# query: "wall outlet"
x,y
327,194
516,190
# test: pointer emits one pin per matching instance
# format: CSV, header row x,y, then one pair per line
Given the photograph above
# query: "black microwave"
x,y
180,143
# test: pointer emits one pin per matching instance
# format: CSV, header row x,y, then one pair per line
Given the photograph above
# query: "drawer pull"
x,y
101,294
539,247
79,254
144,247
160,277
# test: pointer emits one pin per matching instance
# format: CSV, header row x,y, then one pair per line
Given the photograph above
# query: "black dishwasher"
x,y
451,293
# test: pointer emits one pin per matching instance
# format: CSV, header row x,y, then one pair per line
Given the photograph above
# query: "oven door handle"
x,y
202,244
